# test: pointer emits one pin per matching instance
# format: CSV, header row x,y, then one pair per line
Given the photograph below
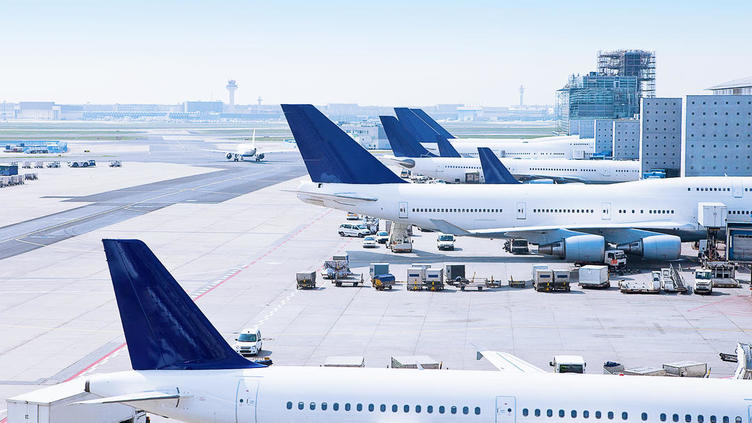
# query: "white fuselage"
x,y
639,204
454,169
320,394
563,147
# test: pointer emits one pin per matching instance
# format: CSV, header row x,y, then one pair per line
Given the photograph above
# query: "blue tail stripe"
x,y
330,155
432,123
446,149
494,172
163,327
419,129
403,144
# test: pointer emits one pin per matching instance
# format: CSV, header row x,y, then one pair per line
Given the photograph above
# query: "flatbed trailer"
x,y
642,287
353,279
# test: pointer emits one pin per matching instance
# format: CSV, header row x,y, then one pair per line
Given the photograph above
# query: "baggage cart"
x,y
382,282
305,280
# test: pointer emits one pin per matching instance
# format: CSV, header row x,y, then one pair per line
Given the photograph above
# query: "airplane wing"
x,y
557,179
137,396
508,363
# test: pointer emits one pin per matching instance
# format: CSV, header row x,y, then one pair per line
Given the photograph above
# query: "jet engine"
x,y
260,157
579,248
407,163
229,156
655,247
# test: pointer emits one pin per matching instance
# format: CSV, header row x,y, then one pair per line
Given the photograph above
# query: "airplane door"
x,y
505,409
403,210
245,401
521,215
738,190
605,211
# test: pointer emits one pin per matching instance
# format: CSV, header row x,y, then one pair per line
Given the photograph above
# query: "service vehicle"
x,y
116,163
370,242
248,342
445,242
592,276
568,364
703,281
517,246
53,164
382,237
615,259
351,229
305,280
352,216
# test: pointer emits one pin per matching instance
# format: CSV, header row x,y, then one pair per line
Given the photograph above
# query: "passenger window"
x,y
700,418
335,406
382,408
453,409
585,414
550,412
663,417
524,412
713,420
573,414
597,414
417,409
347,406
477,411
370,407
675,417
537,412
406,408
644,416
725,419
301,406
323,406
738,419
687,418
441,410
561,413
610,415
359,407
429,409
465,410
289,405
394,408
312,406
624,415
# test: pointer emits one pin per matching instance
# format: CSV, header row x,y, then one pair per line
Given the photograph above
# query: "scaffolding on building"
x,y
639,63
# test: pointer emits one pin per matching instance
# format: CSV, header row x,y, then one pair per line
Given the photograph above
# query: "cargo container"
x,y
592,276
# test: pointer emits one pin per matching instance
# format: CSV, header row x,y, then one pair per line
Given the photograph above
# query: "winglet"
x,y
330,155
402,142
446,149
163,327
415,125
432,123
494,172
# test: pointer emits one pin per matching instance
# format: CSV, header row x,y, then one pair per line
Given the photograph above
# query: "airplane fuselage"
x,y
318,394
565,147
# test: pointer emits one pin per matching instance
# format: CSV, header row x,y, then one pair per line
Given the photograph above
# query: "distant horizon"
x,y
387,53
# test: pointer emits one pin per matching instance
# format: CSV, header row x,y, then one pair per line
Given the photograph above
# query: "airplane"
x,y
450,167
184,369
493,170
553,147
647,217
244,151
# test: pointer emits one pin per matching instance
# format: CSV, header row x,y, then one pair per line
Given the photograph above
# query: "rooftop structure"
x,y
637,63
594,96
741,86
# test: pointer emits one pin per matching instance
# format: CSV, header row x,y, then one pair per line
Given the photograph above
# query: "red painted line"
x,y
256,260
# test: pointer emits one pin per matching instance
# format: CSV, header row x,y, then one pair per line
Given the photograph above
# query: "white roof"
x,y
736,83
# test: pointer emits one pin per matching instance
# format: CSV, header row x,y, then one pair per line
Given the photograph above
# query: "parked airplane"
x,y
646,217
493,170
425,129
183,369
411,155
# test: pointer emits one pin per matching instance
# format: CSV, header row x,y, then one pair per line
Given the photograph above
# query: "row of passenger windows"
x,y
739,212
649,211
394,408
562,211
432,210
713,189
664,417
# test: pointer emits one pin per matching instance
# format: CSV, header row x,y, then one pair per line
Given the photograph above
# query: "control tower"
x,y
232,86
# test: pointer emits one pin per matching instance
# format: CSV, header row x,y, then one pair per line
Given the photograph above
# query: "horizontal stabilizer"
x,y
138,396
508,363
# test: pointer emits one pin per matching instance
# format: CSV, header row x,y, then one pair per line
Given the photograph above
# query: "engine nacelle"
x,y
260,156
655,247
229,156
579,248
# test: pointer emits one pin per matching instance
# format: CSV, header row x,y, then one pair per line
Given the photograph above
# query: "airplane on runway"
x,y
245,151
554,147
183,369
450,167
646,217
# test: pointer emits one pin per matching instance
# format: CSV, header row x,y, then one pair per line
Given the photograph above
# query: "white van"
x,y
353,229
248,342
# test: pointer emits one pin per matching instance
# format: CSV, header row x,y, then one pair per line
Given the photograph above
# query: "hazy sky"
x,y
371,53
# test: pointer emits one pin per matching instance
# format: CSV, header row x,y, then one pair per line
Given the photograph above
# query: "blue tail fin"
x,y
164,328
494,172
446,149
403,144
432,123
420,130
330,155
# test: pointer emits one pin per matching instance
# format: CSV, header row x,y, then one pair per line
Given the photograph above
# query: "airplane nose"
x,y
407,163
